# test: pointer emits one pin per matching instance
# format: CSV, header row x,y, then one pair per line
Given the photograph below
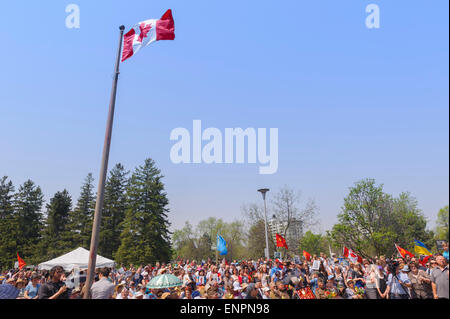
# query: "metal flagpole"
x,y
263,191
217,251
103,173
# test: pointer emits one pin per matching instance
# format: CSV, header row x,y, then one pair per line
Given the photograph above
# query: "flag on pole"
x,y
350,254
421,249
146,32
22,263
281,242
221,245
306,255
403,252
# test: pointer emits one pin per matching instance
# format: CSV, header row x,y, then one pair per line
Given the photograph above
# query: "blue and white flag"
x,y
221,245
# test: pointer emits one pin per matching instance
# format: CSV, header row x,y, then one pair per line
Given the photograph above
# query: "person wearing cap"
x,y
350,292
266,293
118,290
20,285
124,294
139,295
237,290
397,284
76,294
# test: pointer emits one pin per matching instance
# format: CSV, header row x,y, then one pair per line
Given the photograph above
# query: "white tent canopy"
x,y
78,258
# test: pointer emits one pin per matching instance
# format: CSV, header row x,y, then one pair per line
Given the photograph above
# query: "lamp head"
x,y
263,191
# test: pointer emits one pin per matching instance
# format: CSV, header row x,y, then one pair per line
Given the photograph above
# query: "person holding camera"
x,y
398,283
55,288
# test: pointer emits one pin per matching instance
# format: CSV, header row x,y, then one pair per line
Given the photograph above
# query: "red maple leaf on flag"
x,y
145,29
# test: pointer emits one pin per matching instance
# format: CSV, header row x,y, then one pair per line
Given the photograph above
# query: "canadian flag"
x,y
146,32
350,254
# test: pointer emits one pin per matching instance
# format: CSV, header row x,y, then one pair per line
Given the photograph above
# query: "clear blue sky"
x,y
349,102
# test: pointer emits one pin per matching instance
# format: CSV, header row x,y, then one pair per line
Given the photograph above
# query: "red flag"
x,y
307,255
281,242
22,263
350,254
146,32
403,252
424,260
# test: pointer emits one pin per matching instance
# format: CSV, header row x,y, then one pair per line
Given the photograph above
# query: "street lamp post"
x,y
263,191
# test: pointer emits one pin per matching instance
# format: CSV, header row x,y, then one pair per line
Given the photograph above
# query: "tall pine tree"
x,y
56,237
113,213
28,204
8,225
145,237
81,218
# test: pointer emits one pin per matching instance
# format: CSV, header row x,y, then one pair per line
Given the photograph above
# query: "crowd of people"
x,y
321,277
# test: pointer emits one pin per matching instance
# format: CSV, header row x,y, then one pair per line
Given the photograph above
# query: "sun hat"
x,y
236,286
405,268
165,295
330,277
139,294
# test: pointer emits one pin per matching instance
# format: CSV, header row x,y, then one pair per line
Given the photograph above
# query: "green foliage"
x,y
372,221
28,203
56,235
314,243
187,245
145,236
442,224
81,218
257,240
9,227
198,244
113,213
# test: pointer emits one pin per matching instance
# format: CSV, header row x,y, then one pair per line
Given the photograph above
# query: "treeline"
x,y
134,226
370,222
